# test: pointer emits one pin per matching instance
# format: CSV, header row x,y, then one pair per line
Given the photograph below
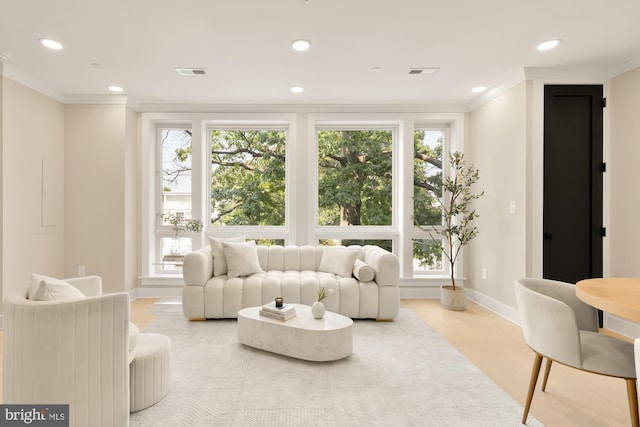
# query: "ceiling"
x,y
245,47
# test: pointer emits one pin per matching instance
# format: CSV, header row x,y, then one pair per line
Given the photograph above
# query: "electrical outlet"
x,y
484,273
512,207
82,271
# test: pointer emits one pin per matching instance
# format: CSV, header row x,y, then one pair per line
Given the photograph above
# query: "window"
x,y
175,200
427,190
247,177
295,178
355,177
176,172
355,185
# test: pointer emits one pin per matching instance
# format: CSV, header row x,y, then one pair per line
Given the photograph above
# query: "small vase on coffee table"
x,y
317,310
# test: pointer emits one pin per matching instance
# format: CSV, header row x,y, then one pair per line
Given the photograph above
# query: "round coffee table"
x,y
302,337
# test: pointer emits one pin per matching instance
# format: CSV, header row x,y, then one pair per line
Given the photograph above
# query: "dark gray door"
x,y
573,182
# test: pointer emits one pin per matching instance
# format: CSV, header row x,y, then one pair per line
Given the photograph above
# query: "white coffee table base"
x,y
303,337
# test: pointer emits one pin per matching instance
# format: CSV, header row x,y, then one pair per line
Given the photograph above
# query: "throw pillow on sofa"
x,y
242,258
338,260
219,261
363,271
44,288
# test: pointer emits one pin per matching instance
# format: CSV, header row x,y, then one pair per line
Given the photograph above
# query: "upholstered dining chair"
x,y
560,327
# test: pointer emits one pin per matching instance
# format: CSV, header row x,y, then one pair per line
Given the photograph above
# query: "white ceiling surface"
x,y
245,46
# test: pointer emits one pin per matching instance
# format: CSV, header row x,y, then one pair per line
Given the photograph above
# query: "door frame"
x,y
595,92
536,80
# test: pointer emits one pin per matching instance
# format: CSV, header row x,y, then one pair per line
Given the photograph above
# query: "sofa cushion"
x,y
242,258
338,260
219,261
44,288
363,271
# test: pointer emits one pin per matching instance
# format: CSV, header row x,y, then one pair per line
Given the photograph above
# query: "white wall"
x,y
623,176
100,188
496,145
32,132
131,200
1,188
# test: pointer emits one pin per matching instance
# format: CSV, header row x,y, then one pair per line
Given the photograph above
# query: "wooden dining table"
x,y
619,296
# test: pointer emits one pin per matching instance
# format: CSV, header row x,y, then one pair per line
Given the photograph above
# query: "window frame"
x,y
152,230
163,230
301,186
420,234
251,231
375,232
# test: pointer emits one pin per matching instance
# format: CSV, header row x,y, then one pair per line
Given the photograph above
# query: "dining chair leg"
x,y
537,362
547,369
632,395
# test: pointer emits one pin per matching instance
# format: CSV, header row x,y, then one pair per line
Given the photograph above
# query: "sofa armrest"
x,y
91,286
385,264
197,268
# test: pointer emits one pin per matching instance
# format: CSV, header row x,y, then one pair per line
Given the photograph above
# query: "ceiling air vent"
x,y
428,70
191,71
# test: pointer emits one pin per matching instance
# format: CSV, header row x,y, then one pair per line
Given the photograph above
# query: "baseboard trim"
x,y
499,308
433,292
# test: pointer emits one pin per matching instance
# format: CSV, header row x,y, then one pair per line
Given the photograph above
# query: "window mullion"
x,y
199,160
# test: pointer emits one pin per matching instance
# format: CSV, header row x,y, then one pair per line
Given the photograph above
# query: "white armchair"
x,y
70,352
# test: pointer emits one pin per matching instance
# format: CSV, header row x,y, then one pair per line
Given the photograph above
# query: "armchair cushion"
x,y
45,288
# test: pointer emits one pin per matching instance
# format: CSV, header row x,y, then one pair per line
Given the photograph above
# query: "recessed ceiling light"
x,y
550,44
114,88
51,44
300,45
297,89
479,89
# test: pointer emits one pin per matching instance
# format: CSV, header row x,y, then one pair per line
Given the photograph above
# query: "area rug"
x,y
401,373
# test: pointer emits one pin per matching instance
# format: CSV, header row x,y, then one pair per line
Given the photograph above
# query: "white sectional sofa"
x,y
364,279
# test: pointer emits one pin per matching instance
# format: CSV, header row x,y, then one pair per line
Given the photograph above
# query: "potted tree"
x,y
458,228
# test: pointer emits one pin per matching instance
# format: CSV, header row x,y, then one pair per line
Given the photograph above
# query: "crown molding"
x,y
96,99
551,75
497,90
623,68
300,108
9,72
557,75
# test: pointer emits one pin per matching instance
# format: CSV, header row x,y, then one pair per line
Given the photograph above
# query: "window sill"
x,y
162,280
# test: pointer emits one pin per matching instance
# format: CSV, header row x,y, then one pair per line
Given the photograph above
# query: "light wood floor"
x,y
496,346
